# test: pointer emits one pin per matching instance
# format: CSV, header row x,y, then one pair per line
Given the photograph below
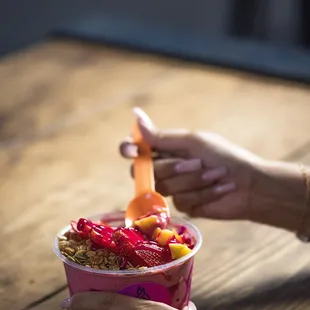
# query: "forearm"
x,y
278,195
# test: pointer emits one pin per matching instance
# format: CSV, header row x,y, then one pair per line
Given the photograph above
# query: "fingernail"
x,y
130,150
188,165
214,174
224,189
143,117
65,304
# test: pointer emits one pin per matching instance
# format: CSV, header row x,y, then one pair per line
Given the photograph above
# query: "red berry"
x,y
126,238
84,226
149,255
102,236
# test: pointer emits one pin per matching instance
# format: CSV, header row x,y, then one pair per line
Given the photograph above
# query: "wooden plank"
x,y
59,157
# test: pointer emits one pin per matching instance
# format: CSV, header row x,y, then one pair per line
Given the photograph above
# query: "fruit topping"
x,y
178,250
149,255
147,225
126,240
165,236
148,243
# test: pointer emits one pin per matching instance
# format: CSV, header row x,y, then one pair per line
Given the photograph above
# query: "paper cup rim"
x,y
135,272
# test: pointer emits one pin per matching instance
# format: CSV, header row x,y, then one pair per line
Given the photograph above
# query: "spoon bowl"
x,y
144,204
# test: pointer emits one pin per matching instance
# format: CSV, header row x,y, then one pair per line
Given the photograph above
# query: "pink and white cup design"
x,y
169,283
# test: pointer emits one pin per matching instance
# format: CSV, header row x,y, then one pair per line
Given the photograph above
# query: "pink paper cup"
x,y
169,283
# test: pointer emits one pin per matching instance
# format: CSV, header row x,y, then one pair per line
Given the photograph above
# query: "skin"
x,y
110,301
239,186
208,176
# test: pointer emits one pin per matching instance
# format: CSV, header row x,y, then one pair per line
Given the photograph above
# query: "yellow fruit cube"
x,y
177,236
178,250
156,233
147,224
164,237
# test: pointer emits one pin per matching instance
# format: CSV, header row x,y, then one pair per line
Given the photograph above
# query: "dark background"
x,y
265,36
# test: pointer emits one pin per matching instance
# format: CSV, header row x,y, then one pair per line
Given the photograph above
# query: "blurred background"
x,y
267,36
70,73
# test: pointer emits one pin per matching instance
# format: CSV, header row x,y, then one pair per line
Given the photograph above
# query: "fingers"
x,y
143,117
110,301
176,142
163,168
191,181
192,202
169,167
93,301
171,140
228,207
128,149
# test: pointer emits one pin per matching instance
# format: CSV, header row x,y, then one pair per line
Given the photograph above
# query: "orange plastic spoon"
x,y
146,196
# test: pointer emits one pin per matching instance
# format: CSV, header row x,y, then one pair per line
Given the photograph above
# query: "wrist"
x,y
277,196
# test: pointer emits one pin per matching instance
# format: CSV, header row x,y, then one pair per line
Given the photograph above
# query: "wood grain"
x,y
66,105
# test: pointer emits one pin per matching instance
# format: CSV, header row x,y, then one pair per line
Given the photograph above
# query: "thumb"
x,y
165,141
111,301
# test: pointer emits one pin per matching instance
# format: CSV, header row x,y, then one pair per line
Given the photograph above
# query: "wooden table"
x,y
64,108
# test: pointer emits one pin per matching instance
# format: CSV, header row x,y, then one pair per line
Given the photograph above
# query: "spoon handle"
x,y
143,164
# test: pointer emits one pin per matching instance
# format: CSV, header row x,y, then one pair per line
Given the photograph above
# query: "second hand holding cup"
x,y
146,197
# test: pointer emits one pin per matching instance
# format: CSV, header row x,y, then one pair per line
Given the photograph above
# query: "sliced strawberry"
x,y
102,236
104,224
149,254
104,229
84,227
126,239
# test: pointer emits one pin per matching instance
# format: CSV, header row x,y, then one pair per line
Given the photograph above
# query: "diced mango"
x,y
164,237
156,233
147,224
177,236
178,250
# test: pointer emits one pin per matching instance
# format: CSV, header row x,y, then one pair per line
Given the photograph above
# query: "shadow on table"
x,y
295,291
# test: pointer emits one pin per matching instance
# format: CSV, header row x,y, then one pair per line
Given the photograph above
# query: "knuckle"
x,y
193,180
209,136
160,135
179,202
206,195
159,169
196,136
162,188
191,137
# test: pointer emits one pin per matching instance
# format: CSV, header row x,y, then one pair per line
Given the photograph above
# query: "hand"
x,y
205,174
110,301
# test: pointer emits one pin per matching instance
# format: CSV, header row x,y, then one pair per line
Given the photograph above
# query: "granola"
x,y
146,244
82,253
